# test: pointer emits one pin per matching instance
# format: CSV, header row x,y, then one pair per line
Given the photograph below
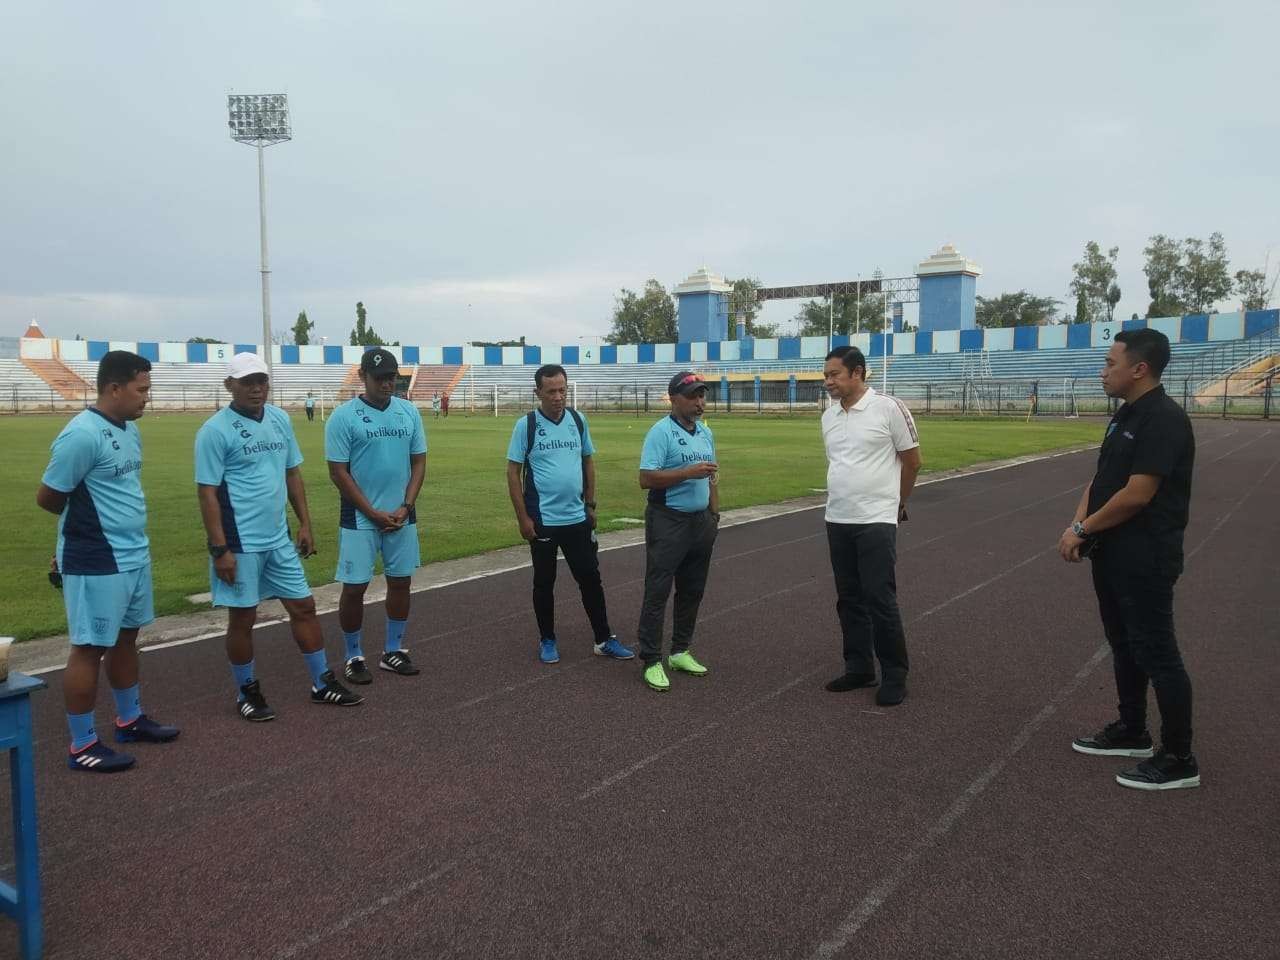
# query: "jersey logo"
x,y
541,432
107,433
100,625
244,434
682,441
1128,434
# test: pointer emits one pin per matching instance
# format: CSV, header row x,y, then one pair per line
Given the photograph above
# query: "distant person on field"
x,y
377,453
435,404
678,467
444,405
310,406
94,484
551,478
1130,521
247,465
873,457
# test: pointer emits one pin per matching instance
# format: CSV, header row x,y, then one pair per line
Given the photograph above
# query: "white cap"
x,y
244,365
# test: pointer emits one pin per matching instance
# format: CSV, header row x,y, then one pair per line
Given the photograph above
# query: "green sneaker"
x,y
684,663
656,678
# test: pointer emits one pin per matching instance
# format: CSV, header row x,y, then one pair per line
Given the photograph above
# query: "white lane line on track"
x,y
367,911
888,885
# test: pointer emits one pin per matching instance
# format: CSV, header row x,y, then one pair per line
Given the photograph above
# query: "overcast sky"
x,y
484,170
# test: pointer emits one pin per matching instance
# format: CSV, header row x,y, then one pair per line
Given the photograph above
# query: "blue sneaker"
x,y
97,757
612,648
145,730
549,653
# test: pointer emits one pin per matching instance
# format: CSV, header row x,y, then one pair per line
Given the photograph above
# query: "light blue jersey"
x,y
553,479
97,462
377,445
246,460
668,446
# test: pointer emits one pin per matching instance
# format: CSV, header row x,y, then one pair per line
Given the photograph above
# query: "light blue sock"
x,y
353,643
82,733
317,666
128,705
243,673
395,635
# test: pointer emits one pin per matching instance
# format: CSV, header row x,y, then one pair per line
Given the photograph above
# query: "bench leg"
x,y
26,851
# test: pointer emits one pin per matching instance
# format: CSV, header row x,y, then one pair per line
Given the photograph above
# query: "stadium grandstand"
x,y
1222,363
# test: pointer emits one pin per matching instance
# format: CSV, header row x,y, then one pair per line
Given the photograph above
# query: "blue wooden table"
x,y
22,902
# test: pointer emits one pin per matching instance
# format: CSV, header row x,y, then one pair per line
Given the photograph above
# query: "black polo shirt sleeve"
x,y
1158,446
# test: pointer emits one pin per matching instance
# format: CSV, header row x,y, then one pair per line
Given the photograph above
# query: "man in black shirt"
x,y
1130,521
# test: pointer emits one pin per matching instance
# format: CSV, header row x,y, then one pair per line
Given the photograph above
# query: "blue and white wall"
x,y
1193,328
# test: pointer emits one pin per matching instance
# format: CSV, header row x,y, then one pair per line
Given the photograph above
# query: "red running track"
x,y
496,807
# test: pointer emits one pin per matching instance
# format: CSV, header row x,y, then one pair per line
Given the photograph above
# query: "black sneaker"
x,y
851,681
357,672
1115,740
891,693
334,692
397,661
1164,771
254,705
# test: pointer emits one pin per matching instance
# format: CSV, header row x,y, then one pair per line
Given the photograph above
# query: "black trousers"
x,y
862,558
678,549
1135,599
581,552
311,413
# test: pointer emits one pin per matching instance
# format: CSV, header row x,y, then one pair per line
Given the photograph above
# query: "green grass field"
x,y
463,508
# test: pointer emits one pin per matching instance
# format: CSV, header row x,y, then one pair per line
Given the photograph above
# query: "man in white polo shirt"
x,y
873,457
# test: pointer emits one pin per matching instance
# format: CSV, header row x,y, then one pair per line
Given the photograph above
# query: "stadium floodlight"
x,y
261,121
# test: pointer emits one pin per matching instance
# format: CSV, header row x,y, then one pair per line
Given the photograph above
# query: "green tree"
x,y
362,334
1019,309
1082,309
204,340
1255,292
1186,276
1164,262
1095,282
815,317
1204,277
742,299
649,317
302,328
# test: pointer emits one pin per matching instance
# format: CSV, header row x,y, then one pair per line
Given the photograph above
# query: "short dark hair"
x,y
851,357
1146,346
120,366
549,370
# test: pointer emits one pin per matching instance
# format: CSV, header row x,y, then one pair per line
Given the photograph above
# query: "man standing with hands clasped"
x,y
873,457
1130,521
678,467
377,453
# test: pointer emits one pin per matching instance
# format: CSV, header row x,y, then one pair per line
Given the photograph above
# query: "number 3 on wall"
x,y
1106,334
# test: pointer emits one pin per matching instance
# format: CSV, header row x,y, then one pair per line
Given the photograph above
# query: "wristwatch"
x,y
217,550
407,505
1077,527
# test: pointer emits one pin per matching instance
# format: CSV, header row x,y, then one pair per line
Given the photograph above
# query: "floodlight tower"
x,y
261,120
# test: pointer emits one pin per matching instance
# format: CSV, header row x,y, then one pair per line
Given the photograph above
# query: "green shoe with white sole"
x,y
656,678
683,662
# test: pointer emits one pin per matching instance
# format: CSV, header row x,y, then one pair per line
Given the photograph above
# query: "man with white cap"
x,y
247,465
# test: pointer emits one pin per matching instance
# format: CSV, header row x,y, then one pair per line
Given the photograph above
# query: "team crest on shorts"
x,y
100,625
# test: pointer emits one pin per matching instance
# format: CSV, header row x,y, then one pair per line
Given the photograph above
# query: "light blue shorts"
x,y
357,550
262,576
100,606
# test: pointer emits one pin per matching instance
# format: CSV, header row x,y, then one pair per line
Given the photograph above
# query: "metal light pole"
x,y
261,121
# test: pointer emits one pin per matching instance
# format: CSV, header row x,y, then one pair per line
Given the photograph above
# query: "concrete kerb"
x,y
49,653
